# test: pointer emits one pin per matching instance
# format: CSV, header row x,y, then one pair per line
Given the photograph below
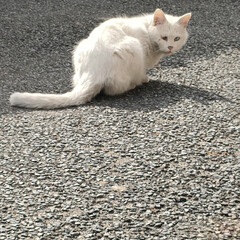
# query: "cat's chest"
x,y
152,59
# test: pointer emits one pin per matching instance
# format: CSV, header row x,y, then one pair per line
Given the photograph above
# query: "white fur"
x,y
114,58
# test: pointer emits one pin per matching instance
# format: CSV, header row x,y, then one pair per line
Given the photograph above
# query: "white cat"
x,y
115,58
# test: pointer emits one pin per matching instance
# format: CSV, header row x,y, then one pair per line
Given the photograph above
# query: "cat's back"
x,y
115,29
108,36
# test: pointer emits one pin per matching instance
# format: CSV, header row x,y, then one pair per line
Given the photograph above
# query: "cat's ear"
x,y
158,17
185,19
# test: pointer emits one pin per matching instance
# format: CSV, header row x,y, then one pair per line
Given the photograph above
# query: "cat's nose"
x,y
170,47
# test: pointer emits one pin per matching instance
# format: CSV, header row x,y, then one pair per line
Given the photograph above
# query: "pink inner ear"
x,y
185,19
159,17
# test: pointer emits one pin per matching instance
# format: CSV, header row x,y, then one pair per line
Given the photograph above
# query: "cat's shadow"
x,y
151,96
156,95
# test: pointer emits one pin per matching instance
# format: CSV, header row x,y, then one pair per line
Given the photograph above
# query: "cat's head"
x,y
168,33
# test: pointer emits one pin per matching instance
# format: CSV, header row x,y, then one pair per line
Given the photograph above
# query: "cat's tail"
x,y
81,94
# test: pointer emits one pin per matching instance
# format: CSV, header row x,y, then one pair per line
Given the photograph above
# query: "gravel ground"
x,y
159,162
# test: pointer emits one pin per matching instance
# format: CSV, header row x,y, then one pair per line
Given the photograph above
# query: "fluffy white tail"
x,y
79,95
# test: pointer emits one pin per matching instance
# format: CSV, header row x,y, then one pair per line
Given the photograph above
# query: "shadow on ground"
x,y
156,95
152,96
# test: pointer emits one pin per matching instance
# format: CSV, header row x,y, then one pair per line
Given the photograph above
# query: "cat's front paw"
x,y
145,79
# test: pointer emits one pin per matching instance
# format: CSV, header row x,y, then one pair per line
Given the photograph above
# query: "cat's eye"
x,y
164,38
176,39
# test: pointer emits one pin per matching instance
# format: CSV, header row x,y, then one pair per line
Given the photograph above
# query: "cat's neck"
x,y
151,48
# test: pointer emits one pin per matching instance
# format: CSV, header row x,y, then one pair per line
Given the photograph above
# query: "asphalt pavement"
x,y
159,162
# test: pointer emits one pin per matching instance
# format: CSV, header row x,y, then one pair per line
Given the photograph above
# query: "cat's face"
x,y
168,33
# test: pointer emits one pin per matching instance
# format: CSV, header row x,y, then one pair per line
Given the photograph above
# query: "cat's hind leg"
x,y
127,67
